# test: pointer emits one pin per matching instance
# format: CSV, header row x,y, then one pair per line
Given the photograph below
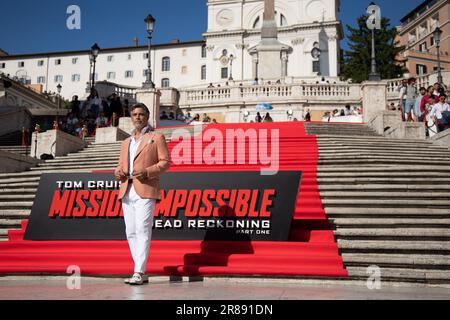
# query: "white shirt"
x,y
438,108
134,146
402,92
102,121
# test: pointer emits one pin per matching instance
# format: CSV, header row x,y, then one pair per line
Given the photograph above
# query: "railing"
x,y
169,96
125,92
421,81
350,93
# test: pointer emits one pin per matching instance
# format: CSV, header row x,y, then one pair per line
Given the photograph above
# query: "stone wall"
x,y
13,119
56,143
12,162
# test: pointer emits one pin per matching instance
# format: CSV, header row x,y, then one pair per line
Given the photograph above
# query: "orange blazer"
x,y
152,156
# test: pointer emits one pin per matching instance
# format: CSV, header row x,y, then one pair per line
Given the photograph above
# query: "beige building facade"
x,y
417,35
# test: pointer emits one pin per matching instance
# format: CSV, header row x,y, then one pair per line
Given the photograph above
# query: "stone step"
x,y
383,187
380,161
92,149
342,212
75,168
337,133
10,224
391,203
398,260
95,157
91,153
367,143
19,185
16,205
390,169
385,195
392,233
16,197
370,246
383,180
17,191
85,162
387,158
18,175
359,174
386,153
95,145
19,180
337,145
355,140
352,138
385,223
15,214
402,274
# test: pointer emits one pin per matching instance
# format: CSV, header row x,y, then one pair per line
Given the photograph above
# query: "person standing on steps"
x,y
143,158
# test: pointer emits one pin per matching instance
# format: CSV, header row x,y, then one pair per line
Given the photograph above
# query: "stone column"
x,y
374,98
333,55
151,98
255,66
284,63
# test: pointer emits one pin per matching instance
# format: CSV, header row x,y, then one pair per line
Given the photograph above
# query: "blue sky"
x,y
30,26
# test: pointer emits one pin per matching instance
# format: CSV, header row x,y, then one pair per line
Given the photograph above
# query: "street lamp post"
x,y
231,67
91,64
373,23
58,88
94,54
150,22
437,38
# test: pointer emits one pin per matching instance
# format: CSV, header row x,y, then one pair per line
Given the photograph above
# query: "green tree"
x,y
356,63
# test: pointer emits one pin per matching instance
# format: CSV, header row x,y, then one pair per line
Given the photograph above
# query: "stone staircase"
x,y
17,190
388,200
23,150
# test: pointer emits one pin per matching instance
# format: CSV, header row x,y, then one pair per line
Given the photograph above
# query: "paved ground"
x,y
161,288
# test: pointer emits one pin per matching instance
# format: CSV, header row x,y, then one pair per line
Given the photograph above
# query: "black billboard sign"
x,y
230,206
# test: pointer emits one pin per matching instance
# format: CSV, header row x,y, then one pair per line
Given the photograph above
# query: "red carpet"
x,y
311,250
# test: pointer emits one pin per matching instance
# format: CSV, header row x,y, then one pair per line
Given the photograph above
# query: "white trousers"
x,y
138,216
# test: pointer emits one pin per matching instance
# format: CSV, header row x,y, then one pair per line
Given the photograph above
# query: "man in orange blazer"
x,y
143,157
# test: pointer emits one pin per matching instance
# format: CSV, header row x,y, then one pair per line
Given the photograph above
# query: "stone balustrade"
x,y
254,94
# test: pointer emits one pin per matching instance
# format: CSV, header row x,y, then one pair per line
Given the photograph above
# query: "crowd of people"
x,y
429,105
186,118
86,116
346,112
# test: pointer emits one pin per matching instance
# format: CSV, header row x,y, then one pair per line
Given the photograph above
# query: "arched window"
x,y
204,51
166,64
203,72
165,83
279,18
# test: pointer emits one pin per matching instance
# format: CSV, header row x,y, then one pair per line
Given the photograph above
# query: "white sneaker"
x,y
137,279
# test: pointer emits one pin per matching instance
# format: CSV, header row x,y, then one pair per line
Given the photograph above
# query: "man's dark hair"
x,y
140,106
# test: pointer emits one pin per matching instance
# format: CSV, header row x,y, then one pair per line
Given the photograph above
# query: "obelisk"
x,y
267,53
269,27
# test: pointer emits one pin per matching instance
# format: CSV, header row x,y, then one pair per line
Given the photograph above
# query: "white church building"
x,y
308,35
